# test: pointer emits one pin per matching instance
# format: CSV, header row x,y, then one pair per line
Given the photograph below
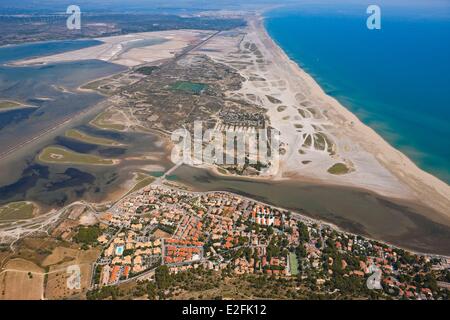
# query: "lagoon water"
x,y
24,178
51,89
405,224
44,86
396,80
11,53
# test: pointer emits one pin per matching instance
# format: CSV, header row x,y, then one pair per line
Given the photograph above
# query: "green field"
x,y
190,87
293,263
17,211
148,70
61,155
339,168
273,99
222,170
81,136
103,121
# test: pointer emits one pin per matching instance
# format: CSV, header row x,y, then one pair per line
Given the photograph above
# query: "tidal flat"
x,y
52,90
53,185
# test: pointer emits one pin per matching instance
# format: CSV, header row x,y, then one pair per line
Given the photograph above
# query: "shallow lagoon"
x,y
52,89
359,211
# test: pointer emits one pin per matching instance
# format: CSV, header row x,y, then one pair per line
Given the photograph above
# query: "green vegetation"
x,y
303,232
61,155
146,70
273,99
293,263
17,211
330,144
222,171
281,108
302,113
162,277
88,235
308,142
339,168
319,141
81,136
6,104
201,284
103,293
166,228
103,121
189,87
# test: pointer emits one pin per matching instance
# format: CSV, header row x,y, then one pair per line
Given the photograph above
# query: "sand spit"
x,y
123,50
316,130
424,186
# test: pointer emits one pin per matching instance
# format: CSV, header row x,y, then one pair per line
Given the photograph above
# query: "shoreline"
x,y
393,221
303,217
384,149
424,187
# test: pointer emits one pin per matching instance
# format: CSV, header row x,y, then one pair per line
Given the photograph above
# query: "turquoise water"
x,y
396,80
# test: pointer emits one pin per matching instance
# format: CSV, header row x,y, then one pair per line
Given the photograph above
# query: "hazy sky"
x,y
204,4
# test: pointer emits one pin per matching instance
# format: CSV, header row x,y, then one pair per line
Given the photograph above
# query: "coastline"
x,y
422,186
113,49
305,218
278,56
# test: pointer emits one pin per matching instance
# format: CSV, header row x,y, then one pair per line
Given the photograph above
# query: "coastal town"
x,y
162,227
97,204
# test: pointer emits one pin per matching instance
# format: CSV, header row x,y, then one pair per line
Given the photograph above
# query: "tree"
x,y
303,232
88,235
301,251
162,277
151,291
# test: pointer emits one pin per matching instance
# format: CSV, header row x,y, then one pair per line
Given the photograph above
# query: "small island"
x,y
6,105
84,137
60,155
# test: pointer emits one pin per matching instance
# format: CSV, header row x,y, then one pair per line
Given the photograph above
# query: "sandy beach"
x,y
316,130
411,180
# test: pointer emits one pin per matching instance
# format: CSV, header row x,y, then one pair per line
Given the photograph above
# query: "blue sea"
x,y
396,80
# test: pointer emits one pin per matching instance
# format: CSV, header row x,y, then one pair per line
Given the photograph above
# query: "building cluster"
x,y
242,119
222,231
180,252
126,253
